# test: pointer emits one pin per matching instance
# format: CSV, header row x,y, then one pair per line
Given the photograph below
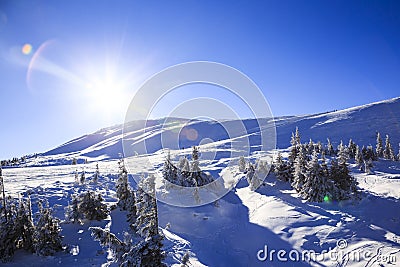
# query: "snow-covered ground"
x,y
244,226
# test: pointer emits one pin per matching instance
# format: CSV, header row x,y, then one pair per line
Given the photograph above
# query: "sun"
x,y
106,96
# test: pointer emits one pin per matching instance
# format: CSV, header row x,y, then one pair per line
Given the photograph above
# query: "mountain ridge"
x,y
361,123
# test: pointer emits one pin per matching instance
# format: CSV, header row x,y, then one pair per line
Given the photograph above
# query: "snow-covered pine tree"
x,y
47,232
310,147
195,171
388,153
352,147
83,177
122,186
242,164
92,206
24,224
281,169
344,182
198,178
343,149
324,170
251,171
297,136
112,242
185,259
72,213
368,166
170,172
8,233
319,147
315,186
150,247
379,146
132,211
358,157
76,177
371,153
299,170
329,148
96,174
295,141
184,173
3,191
398,155
259,175
262,167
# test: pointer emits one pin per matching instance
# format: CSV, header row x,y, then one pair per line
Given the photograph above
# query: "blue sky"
x,y
83,60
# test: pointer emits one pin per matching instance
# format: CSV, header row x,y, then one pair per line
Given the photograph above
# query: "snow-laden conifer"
x,y
388,153
47,232
379,145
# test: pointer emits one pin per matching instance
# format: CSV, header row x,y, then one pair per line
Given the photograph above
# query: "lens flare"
x,y
26,49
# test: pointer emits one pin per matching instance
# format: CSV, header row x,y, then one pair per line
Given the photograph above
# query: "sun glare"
x,y
106,96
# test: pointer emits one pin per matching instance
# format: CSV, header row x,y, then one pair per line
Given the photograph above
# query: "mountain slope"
x,y
359,123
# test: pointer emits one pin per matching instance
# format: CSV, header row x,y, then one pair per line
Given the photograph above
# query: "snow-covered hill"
x,y
360,123
238,229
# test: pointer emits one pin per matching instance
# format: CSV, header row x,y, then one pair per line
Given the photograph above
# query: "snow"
x,y
233,230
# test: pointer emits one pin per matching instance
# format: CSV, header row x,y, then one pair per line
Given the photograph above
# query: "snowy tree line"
x,y
318,179
187,174
20,229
